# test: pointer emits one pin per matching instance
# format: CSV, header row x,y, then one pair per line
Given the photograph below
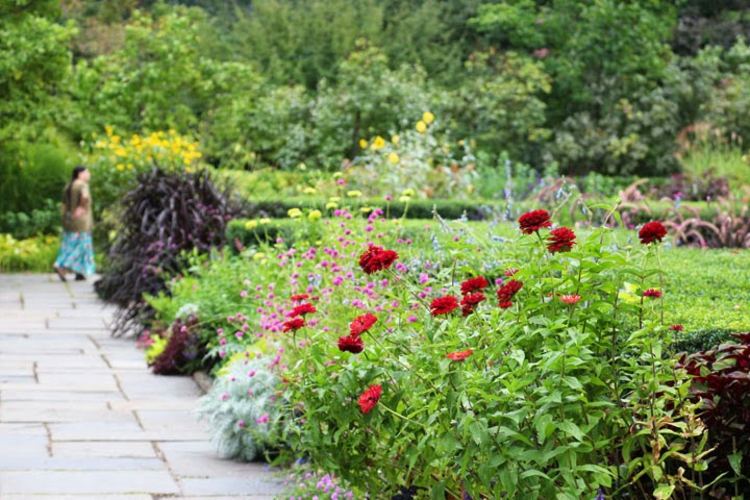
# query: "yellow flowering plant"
x,y
428,165
116,161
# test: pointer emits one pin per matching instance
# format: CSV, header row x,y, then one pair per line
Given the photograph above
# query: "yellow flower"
x,y
314,215
362,144
408,192
331,205
120,167
395,139
259,256
428,117
251,224
365,210
334,198
129,166
309,190
404,199
265,220
393,158
294,213
378,143
354,194
121,151
108,130
421,127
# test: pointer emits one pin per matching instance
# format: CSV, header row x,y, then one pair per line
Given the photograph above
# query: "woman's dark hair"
x,y
76,172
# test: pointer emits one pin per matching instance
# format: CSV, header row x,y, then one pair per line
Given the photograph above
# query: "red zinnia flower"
x,y
459,355
443,305
474,284
534,221
510,271
375,259
362,323
351,343
470,301
561,239
505,305
300,297
651,232
506,292
294,324
570,299
653,293
302,309
370,398
677,328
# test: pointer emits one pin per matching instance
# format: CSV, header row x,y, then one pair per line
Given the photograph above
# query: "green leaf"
x,y
735,461
664,491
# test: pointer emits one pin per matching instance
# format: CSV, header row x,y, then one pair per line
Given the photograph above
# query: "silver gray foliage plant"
x,y
242,409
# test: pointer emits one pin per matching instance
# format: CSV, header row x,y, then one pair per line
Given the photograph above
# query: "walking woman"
x,y
76,254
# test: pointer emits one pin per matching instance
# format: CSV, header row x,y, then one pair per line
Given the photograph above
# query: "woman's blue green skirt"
x,y
76,253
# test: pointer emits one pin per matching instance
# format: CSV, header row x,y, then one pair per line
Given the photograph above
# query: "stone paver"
x,y
81,416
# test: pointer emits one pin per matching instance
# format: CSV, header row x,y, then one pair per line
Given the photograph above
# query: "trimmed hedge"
x,y
485,209
415,209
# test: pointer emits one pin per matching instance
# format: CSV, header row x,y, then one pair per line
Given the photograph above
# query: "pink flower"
x,y
570,299
263,419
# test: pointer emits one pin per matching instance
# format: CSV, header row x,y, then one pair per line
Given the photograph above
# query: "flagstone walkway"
x,y
82,417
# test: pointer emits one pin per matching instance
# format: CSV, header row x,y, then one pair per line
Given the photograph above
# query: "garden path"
x,y
81,417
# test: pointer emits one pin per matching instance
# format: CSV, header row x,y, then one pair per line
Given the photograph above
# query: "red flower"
x,y
534,221
651,232
362,323
300,297
470,301
510,272
561,239
505,305
302,309
351,343
570,299
677,328
370,398
294,324
459,355
443,305
653,293
506,292
473,285
375,259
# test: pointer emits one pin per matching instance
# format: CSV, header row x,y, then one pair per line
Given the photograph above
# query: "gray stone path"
x,y
81,416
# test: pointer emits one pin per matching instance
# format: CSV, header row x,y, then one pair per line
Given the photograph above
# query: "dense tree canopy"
x,y
273,82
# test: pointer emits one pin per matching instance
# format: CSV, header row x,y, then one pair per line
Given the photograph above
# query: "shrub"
x,y
116,162
38,221
165,215
243,409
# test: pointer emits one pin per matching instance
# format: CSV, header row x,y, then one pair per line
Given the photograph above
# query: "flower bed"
x,y
445,370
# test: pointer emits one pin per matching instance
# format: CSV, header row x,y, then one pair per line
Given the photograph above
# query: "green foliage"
x,y
722,160
501,106
159,79
31,174
369,99
36,254
34,60
39,221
